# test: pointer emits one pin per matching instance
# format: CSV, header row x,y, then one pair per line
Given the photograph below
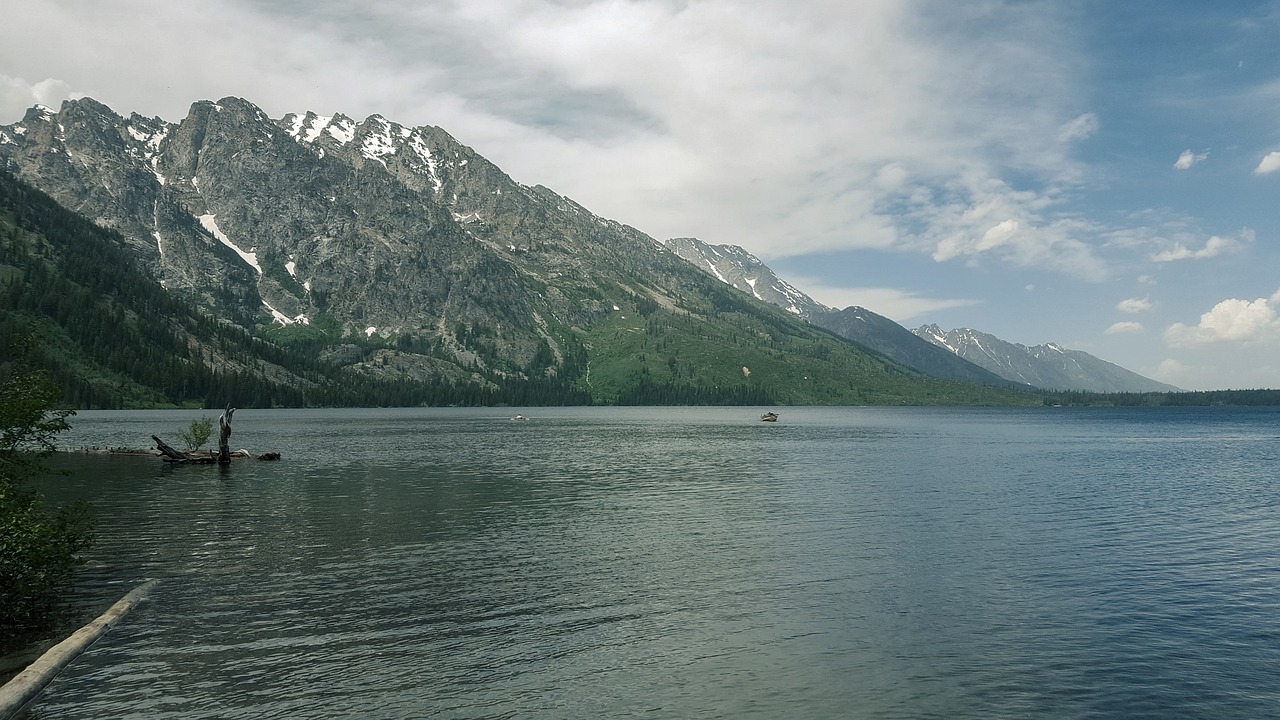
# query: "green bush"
x,y
197,434
38,555
38,547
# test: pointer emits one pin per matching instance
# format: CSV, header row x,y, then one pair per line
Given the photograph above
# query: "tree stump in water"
x,y
224,454
224,432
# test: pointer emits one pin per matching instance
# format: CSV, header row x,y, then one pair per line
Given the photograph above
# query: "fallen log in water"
x,y
224,455
171,455
28,684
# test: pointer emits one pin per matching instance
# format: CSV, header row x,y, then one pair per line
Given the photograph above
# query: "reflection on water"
x,y
685,562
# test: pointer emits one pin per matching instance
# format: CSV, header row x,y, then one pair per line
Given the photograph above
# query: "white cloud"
x,y
1213,247
1134,305
1170,371
1188,160
901,306
1231,321
1080,128
787,129
1125,328
1269,164
1009,226
17,95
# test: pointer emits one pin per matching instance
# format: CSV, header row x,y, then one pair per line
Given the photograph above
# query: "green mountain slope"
x,y
397,254
737,350
111,336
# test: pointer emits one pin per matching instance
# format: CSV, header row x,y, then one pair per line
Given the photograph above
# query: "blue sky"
x,y
1103,175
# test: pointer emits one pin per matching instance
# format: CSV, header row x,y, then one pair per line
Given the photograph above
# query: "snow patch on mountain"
x,y
715,271
316,128
735,266
210,224
342,129
379,143
423,151
308,128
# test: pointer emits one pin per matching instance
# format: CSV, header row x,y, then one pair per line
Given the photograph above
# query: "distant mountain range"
x,y
960,354
1048,366
399,257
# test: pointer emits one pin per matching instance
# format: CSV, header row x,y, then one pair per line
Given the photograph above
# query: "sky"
x,y
1103,175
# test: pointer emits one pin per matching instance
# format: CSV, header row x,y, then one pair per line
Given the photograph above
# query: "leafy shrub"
x,y
38,555
38,547
197,434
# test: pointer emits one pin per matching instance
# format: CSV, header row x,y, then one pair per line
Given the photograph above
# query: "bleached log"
x,y
29,683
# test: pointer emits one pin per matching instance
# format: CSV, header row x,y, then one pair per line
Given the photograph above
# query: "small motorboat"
x,y
769,417
519,417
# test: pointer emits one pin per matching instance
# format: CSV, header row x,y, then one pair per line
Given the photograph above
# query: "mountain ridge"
x,y
1049,366
400,252
735,266
927,349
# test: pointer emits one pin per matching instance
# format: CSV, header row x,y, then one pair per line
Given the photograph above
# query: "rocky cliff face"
x,y
1048,366
404,254
338,226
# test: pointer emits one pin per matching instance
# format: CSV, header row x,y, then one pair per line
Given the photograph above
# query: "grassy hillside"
x,y
751,353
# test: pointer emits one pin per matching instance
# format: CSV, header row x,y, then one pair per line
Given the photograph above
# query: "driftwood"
x,y
28,684
224,454
171,455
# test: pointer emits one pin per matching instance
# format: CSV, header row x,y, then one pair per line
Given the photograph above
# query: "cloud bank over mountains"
x,y
1000,161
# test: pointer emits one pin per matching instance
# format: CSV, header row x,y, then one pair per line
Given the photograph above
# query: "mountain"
x,y
1049,366
982,358
735,266
401,254
739,268
74,306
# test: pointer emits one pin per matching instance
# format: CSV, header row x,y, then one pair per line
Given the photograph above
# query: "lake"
x,y
686,562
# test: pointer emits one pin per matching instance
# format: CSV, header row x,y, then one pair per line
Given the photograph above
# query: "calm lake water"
x,y
687,563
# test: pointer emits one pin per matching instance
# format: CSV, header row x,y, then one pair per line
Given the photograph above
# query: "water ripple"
x,y
691,563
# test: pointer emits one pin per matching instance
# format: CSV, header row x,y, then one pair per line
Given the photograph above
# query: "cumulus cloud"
x,y
1213,247
1231,321
1012,227
788,129
17,95
1188,160
1134,305
1170,371
1269,164
1125,328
